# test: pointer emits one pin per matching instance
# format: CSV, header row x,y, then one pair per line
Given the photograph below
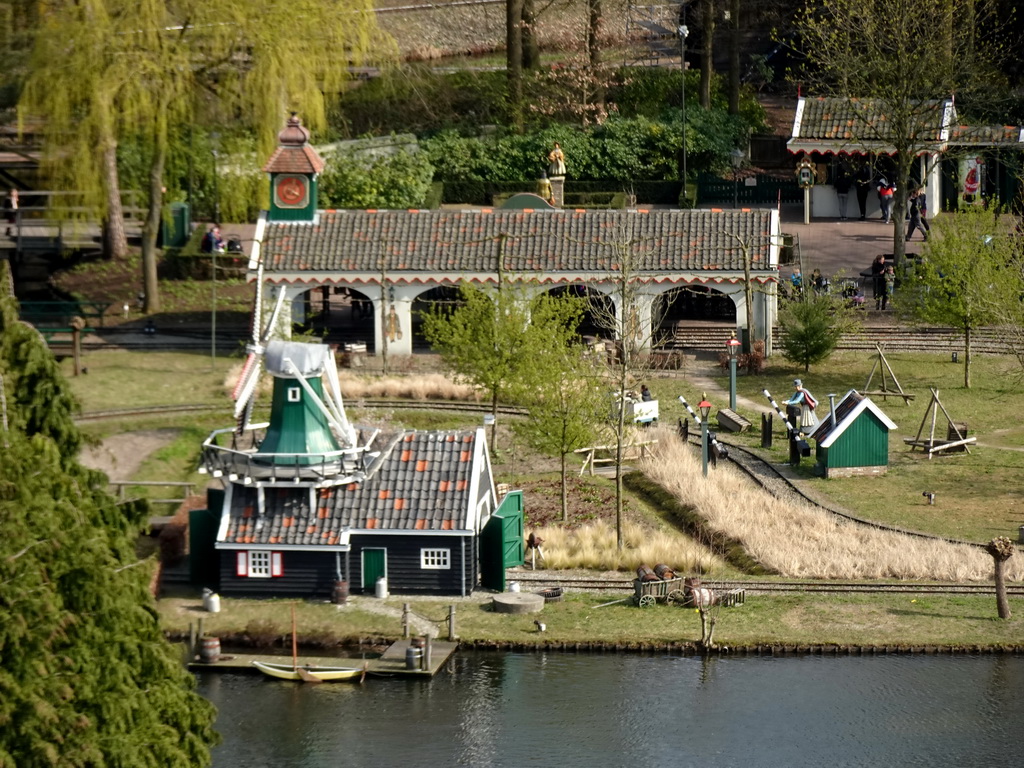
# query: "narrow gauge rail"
x,y
418,405
764,587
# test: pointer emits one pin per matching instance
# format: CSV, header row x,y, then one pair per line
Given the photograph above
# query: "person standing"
x,y
11,209
878,279
886,191
842,184
863,181
888,285
806,403
916,220
797,280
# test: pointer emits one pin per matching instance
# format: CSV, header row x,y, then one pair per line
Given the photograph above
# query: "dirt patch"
x,y
120,456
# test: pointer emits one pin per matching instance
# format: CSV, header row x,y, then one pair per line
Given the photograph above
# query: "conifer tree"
x,y
86,676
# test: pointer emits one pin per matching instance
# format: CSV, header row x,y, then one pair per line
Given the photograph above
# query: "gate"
x,y
502,542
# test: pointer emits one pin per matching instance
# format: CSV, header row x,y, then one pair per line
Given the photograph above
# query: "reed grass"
x,y
801,541
593,547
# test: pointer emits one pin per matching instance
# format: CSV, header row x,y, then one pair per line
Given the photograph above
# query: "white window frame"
x,y
435,559
260,563
294,394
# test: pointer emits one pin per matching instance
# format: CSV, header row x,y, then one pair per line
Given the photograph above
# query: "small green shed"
x,y
853,439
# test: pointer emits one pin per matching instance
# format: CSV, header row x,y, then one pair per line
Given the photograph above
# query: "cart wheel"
x,y
677,597
647,601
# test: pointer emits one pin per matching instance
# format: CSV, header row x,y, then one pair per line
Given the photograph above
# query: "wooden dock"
x,y
392,663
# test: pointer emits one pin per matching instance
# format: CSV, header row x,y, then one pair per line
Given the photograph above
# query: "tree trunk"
x,y
531,49
565,490
734,58
494,423
1001,549
707,52
153,219
594,49
514,60
115,241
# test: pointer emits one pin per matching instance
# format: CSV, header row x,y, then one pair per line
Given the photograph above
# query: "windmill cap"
x,y
288,358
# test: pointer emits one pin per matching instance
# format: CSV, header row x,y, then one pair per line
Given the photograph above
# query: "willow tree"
x,y
87,675
106,70
903,57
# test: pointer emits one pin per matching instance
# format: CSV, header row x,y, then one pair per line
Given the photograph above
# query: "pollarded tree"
x,y
967,276
904,57
88,677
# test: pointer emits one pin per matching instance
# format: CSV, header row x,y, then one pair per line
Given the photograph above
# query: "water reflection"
x,y
617,710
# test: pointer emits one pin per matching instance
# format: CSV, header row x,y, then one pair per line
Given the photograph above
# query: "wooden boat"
x,y
307,673
304,673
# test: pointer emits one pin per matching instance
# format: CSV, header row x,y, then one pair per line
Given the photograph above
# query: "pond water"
x,y
557,709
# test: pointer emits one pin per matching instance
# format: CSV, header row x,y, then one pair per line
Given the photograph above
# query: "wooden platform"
x,y
390,664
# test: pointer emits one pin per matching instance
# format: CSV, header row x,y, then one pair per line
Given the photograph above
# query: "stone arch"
x,y
338,314
439,296
696,304
597,300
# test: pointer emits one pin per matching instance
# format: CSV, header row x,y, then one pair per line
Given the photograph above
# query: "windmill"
x,y
308,424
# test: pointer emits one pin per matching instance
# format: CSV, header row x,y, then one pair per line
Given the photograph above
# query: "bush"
x,y
397,181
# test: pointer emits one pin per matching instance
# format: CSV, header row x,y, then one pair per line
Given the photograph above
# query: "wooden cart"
x,y
647,593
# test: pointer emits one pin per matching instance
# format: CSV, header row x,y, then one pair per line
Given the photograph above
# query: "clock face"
x,y
291,191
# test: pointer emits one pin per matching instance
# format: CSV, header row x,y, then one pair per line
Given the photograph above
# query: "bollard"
x,y
766,430
405,620
451,615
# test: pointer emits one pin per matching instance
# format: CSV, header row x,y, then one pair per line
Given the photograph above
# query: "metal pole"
x,y
704,446
732,383
683,31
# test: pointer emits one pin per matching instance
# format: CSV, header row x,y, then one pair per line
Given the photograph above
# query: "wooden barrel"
x,y
339,595
664,572
418,642
644,573
209,650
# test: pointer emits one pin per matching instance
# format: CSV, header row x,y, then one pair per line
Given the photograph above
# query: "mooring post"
x,y
451,614
405,620
193,640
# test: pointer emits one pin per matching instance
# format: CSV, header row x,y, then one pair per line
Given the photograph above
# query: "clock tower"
x,y
293,170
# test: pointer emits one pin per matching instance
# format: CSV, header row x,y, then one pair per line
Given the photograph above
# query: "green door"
x,y
375,565
502,542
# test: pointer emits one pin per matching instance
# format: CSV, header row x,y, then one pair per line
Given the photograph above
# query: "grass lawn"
x,y
885,619
978,495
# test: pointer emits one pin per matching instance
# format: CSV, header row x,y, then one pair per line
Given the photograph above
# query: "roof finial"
x,y
294,133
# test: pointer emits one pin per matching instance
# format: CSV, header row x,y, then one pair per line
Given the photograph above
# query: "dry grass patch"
x,y
801,541
593,547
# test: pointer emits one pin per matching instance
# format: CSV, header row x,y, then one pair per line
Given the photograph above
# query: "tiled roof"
x,y
841,119
421,481
302,159
848,409
986,135
467,241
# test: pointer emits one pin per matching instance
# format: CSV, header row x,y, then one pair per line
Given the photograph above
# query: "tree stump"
x,y
1001,549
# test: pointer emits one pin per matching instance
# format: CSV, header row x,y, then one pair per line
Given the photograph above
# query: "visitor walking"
x,y
886,190
878,279
916,221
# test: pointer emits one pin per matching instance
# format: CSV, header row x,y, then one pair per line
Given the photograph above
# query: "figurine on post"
x,y
801,407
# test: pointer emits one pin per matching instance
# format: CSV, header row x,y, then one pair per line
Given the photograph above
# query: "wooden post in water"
x,y
405,620
192,642
425,657
451,620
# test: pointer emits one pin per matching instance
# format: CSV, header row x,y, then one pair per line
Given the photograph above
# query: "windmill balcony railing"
x,y
247,466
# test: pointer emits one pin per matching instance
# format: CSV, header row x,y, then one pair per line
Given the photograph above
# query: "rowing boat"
x,y
319,674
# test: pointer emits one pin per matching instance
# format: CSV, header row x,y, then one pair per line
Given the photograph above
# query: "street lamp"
x,y
732,347
705,409
683,33
737,157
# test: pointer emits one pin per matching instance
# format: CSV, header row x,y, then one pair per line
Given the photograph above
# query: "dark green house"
x,y
853,439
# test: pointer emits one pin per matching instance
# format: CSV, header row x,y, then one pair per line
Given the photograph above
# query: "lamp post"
x,y
683,33
737,157
732,347
705,408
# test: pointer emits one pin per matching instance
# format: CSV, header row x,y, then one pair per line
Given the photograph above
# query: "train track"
x,y
531,582
418,405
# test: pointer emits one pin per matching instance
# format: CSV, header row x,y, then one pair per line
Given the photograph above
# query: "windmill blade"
x,y
273,316
250,361
247,385
245,418
257,307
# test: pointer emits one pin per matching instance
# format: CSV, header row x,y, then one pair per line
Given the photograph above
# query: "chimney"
x,y
832,408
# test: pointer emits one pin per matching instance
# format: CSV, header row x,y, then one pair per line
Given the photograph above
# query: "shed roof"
x,y
854,125
847,411
464,242
422,481
987,135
